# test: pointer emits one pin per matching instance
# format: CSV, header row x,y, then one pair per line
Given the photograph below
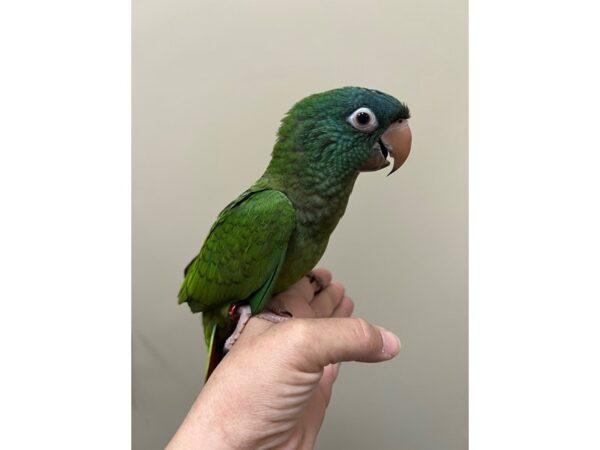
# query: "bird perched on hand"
x,y
274,233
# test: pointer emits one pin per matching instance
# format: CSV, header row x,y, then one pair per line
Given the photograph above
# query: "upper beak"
x,y
396,141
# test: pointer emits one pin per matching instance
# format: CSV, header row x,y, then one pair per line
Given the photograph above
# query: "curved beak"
x,y
395,141
398,139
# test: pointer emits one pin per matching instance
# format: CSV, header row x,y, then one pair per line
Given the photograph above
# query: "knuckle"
x,y
338,290
300,331
323,272
284,297
365,333
349,304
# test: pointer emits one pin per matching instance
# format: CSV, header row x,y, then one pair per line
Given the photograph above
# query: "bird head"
x,y
350,129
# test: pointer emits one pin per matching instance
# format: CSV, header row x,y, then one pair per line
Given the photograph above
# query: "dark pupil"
x,y
363,118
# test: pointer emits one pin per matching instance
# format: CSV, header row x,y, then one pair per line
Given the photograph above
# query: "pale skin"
x,y
272,389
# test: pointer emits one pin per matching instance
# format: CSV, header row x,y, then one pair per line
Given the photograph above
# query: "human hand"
x,y
272,389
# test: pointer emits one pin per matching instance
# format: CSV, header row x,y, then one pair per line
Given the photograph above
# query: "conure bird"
x,y
275,232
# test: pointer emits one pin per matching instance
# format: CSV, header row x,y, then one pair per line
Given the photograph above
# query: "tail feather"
x,y
217,327
214,352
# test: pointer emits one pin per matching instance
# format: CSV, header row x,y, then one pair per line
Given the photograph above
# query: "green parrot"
x,y
275,232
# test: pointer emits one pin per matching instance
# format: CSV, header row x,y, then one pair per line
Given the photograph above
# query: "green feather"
x,y
276,231
259,299
239,261
242,251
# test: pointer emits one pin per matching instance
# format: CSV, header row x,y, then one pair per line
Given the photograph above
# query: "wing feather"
x,y
241,256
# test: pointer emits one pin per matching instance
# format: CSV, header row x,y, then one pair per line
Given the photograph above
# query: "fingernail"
x,y
391,343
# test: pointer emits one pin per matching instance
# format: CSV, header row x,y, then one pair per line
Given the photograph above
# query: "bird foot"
x,y
242,313
274,317
275,312
243,318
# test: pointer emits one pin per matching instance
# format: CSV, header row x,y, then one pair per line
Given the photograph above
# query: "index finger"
x,y
304,287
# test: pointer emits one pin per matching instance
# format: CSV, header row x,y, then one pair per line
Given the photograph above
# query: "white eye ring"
x,y
363,119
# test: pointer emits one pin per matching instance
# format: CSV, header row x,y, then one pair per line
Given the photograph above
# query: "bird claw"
x,y
274,313
274,317
316,281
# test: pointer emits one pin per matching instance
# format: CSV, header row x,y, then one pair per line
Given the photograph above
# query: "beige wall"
x,y
211,81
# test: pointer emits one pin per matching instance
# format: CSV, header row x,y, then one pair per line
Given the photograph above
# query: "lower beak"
x,y
396,142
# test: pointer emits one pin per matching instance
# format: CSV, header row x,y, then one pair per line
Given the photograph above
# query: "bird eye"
x,y
363,119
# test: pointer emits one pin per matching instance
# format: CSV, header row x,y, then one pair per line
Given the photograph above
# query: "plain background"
x,y
211,80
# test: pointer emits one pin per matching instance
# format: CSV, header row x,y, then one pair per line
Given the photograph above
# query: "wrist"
x,y
203,429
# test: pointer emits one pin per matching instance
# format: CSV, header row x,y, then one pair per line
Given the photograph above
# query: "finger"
x,y
292,303
327,301
316,343
319,279
302,288
344,309
335,369
327,380
305,289
324,275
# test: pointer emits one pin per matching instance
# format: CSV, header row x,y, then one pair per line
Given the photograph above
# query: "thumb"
x,y
319,342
